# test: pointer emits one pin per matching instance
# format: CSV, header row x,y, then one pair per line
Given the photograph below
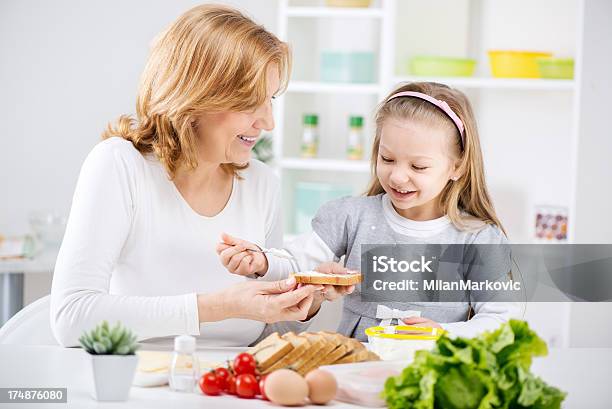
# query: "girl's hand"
x,y
266,301
421,322
333,292
238,260
330,292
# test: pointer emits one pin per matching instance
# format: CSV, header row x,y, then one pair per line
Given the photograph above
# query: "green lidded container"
x,y
442,66
556,68
351,67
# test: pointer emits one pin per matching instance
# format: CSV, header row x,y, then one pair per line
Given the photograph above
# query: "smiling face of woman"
x,y
229,137
414,164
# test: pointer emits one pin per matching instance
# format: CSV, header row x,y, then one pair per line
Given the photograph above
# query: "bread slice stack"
x,y
308,351
314,277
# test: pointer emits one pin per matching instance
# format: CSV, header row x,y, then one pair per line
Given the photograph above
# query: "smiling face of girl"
x,y
415,162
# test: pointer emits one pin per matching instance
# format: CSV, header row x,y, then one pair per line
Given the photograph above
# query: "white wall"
x,y
67,68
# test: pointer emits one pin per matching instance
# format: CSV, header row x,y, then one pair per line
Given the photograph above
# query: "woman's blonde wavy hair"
x,y
469,193
211,59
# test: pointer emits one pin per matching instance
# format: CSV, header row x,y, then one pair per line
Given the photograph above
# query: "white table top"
x,y
586,374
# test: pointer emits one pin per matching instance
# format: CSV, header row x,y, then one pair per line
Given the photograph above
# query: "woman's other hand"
x,y
264,301
238,260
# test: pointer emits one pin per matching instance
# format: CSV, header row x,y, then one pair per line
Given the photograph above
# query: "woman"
x,y
154,197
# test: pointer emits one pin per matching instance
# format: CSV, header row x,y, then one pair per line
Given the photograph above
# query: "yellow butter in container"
x,y
397,342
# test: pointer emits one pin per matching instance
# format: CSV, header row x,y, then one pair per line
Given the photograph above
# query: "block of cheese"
x,y
314,277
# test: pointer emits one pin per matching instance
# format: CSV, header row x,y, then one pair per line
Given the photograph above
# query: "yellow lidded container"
x,y
400,342
515,64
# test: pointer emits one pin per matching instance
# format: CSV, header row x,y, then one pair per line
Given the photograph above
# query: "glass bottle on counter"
x,y
354,149
185,366
310,136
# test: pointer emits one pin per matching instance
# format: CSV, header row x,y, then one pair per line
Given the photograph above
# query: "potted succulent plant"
x,y
113,359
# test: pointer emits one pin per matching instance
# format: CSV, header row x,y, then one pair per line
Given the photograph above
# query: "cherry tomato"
x,y
246,386
257,388
231,384
209,384
222,375
245,364
262,390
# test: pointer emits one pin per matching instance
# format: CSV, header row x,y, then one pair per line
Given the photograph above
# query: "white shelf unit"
x,y
498,102
496,83
326,165
338,12
544,141
332,88
288,164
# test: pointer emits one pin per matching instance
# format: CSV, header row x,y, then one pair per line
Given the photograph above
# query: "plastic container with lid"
x,y
362,383
556,68
515,64
442,66
310,196
400,342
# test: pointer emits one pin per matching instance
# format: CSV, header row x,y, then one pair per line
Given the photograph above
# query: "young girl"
x,y
428,186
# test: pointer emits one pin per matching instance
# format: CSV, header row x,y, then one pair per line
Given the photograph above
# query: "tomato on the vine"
x,y
222,375
246,386
209,384
244,363
231,384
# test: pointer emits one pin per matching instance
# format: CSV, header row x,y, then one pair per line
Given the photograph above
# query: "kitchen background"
x,y
67,68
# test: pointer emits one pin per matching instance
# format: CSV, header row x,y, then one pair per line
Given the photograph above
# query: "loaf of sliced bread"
x,y
308,351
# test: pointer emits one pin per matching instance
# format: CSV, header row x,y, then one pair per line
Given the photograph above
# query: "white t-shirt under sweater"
x,y
136,252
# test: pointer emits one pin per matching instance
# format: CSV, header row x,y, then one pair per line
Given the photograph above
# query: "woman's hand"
x,y
259,300
237,259
421,322
330,292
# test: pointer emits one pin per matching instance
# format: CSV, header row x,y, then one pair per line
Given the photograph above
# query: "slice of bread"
x,y
335,355
314,277
270,350
317,343
329,346
358,355
300,346
372,356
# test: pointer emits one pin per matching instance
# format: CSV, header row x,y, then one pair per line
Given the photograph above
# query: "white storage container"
x,y
400,342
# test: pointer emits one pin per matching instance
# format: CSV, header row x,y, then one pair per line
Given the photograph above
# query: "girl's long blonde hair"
x,y
469,193
211,59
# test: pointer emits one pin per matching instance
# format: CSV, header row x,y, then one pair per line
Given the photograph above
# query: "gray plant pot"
x,y
113,376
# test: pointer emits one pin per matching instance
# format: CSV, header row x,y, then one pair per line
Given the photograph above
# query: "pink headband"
x,y
440,104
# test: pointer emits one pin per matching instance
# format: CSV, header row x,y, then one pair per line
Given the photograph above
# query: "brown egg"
x,y
286,387
322,386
